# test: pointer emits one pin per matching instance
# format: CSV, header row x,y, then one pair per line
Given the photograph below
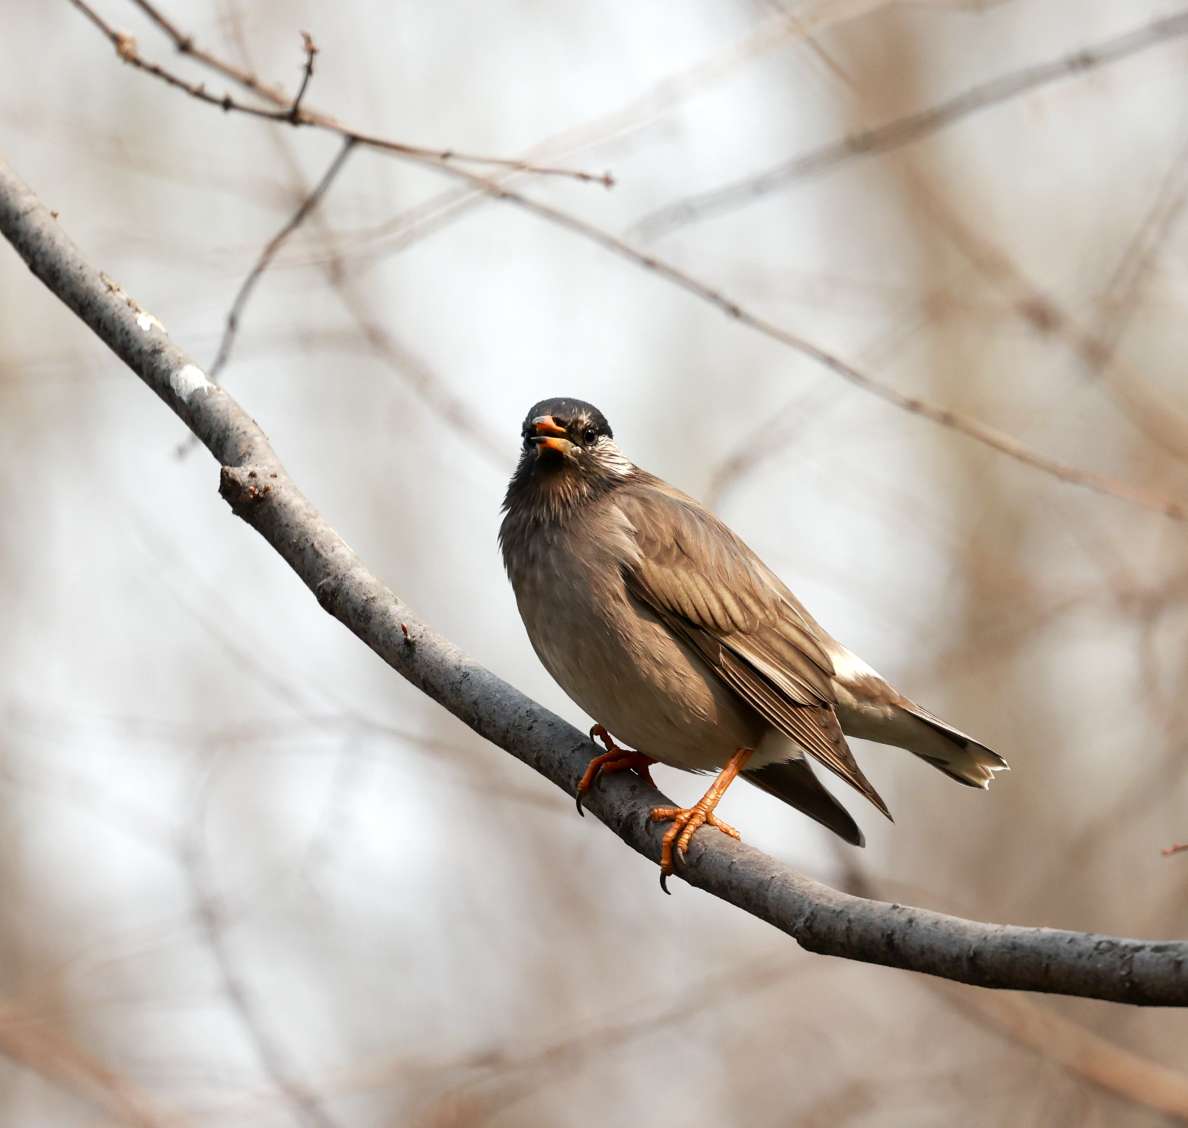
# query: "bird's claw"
x,y
614,759
686,821
598,733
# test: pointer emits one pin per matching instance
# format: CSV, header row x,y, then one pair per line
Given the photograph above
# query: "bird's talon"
x,y
614,759
598,734
686,821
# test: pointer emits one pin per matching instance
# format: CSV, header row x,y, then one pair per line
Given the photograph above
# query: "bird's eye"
x,y
527,437
589,435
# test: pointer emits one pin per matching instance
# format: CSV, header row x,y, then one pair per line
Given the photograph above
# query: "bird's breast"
x,y
616,660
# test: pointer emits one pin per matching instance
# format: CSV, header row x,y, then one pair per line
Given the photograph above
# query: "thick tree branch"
x,y
821,919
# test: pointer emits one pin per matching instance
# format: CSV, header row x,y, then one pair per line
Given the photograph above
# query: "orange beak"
x,y
549,435
547,425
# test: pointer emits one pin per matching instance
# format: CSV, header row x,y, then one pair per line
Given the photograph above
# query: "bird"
x,y
664,627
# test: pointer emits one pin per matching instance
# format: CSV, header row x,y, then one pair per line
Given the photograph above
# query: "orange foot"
x,y
687,820
614,759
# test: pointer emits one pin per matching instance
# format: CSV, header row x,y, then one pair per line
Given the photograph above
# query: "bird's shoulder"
x,y
691,563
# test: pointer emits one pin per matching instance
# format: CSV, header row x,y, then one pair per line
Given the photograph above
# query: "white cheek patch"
x,y
612,459
188,380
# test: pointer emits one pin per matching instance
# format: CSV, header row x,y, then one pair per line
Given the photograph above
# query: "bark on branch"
x,y
819,918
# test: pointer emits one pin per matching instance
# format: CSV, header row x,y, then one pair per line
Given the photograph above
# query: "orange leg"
x,y
687,820
614,759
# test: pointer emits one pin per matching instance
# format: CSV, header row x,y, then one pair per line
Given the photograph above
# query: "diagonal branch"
x,y
266,256
416,376
903,131
430,216
821,919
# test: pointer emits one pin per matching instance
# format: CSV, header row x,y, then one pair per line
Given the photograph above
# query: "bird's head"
x,y
568,456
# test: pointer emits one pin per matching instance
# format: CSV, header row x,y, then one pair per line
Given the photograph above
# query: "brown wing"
x,y
715,593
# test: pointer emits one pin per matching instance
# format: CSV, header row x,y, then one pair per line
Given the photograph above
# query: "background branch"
x,y
903,131
273,245
292,113
445,161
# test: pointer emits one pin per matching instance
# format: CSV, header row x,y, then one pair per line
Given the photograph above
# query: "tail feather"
x,y
957,755
794,782
871,708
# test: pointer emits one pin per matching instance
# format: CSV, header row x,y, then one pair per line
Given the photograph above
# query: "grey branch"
x,y
819,918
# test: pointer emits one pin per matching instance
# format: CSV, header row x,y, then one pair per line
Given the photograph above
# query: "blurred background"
x,y
251,877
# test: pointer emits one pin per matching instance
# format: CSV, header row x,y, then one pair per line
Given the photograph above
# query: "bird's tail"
x,y
945,747
871,708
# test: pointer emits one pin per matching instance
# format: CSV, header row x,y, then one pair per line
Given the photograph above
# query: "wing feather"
x,y
711,590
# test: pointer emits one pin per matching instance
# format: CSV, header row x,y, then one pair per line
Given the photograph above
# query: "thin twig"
x,y
821,919
430,216
185,45
903,131
269,253
126,47
1041,310
231,328
916,405
426,385
311,50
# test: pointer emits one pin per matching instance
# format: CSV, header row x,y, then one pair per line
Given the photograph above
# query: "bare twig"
x,y
311,50
973,428
185,45
292,114
915,405
269,253
821,919
425,384
902,131
430,216
1174,848
1156,417
1096,348
783,427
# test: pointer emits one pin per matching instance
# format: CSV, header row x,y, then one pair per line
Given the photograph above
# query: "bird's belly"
x,y
626,670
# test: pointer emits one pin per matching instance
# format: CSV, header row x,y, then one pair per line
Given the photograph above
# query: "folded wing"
x,y
712,591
